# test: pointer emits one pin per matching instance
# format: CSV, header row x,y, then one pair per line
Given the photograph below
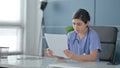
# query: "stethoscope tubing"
x,y
79,41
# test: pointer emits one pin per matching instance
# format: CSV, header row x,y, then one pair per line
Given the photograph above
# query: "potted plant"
x,y
69,28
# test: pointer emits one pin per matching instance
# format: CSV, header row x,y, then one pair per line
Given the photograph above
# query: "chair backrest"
x,y
108,38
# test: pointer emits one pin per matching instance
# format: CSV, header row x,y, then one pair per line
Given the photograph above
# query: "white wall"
x,y
32,28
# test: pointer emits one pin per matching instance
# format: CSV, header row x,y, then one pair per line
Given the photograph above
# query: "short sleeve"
x,y
94,41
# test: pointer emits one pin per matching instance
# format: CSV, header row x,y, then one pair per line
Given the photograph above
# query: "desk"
x,y
43,62
21,61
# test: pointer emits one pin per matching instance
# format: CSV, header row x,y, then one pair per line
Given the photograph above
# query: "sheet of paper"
x,y
57,43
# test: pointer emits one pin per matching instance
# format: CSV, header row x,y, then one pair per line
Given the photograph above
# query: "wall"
x,y
58,13
107,13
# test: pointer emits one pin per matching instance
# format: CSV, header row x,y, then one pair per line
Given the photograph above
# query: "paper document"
x,y
57,43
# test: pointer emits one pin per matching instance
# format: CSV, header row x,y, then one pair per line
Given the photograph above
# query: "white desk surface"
x,y
45,62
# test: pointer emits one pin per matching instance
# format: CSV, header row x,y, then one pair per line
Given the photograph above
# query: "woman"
x,y
83,42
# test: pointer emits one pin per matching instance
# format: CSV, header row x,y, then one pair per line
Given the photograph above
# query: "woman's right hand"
x,y
48,53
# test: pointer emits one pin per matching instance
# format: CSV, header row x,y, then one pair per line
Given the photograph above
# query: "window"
x,y
10,37
11,24
10,11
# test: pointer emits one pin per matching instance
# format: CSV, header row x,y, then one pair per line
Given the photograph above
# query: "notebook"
x,y
57,43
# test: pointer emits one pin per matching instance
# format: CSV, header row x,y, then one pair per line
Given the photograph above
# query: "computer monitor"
x,y
116,58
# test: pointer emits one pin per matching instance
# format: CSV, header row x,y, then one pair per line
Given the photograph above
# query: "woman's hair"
x,y
82,14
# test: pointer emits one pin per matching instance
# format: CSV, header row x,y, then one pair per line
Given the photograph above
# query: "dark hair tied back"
x,y
82,14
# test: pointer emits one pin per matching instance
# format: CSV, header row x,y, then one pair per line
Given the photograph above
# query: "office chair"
x,y
108,38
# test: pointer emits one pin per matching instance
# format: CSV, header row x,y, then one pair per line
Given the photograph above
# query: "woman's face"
x,y
79,26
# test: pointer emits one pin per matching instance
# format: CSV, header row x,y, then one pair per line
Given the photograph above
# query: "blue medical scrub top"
x,y
89,42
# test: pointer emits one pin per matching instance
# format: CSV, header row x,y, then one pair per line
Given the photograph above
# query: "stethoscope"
x,y
76,40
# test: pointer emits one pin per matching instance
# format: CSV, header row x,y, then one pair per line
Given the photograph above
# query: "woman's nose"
x,y
75,26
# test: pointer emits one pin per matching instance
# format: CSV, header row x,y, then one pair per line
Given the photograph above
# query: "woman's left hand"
x,y
68,53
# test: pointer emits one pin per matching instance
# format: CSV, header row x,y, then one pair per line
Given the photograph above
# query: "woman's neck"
x,y
81,34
